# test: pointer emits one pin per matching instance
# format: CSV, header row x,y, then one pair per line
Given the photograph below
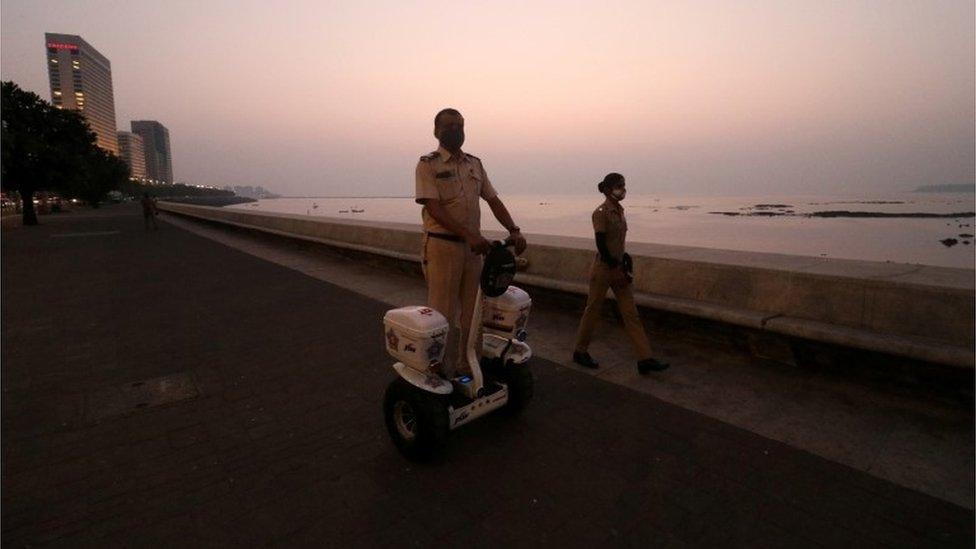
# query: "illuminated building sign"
x,y
61,46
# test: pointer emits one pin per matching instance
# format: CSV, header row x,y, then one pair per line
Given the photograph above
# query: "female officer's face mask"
x,y
452,138
618,194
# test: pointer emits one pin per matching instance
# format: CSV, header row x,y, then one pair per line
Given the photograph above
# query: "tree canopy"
x,y
49,149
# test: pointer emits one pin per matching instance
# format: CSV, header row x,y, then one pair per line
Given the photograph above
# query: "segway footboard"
x,y
423,380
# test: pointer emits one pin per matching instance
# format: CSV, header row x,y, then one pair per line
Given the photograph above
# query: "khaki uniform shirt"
x,y
609,218
458,182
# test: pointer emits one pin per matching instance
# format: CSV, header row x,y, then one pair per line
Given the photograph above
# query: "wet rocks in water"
x,y
777,210
683,208
858,202
847,213
949,242
965,235
766,210
751,214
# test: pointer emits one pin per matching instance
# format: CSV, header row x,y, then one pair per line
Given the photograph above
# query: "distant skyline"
x,y
313,99
157,148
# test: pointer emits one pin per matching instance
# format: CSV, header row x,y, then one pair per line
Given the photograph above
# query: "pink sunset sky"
x,y
336,98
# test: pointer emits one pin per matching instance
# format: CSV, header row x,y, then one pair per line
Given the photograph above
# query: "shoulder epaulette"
x,y
473,156
430,156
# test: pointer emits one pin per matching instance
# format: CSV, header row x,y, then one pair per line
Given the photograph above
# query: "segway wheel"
x,y
518,377
416,420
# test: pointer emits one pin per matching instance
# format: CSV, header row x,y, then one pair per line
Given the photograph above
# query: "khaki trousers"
x,y
599,282
453,274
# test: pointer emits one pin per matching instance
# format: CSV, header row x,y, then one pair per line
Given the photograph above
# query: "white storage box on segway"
x,y
507,314
416,336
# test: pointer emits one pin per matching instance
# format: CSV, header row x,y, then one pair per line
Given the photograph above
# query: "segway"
x,y
422,405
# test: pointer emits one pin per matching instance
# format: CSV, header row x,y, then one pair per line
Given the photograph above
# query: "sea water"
x,y
781,224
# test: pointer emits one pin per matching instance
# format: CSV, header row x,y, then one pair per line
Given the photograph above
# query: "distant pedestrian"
x,y
149,211
612,269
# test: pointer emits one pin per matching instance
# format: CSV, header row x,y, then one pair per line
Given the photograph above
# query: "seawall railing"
x,y
915,311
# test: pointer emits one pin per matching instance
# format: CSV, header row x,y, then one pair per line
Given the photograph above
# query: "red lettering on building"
x,y
61,46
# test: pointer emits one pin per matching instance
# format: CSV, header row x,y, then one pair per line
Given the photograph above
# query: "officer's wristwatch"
x,y
515,229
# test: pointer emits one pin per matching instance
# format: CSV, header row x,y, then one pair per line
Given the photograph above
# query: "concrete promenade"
x,y
163,389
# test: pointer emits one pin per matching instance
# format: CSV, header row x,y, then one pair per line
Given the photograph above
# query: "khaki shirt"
x,y
609,218
458,182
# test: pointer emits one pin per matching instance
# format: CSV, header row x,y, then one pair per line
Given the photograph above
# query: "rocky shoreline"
x,y
216,201
847,213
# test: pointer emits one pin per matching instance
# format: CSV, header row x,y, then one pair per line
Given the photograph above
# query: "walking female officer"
x,y
609,270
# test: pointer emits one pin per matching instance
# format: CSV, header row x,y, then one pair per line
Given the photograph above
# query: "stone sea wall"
x,y
916,311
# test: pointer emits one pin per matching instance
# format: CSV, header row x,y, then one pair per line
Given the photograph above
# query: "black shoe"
x,y
585,360
651,365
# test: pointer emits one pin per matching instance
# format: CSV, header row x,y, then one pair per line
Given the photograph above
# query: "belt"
x,y
442,236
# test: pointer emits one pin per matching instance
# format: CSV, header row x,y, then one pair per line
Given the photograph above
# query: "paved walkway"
x,y
273,431
919,436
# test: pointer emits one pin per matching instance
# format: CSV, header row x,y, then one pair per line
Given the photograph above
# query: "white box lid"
x,y
514,298
417,319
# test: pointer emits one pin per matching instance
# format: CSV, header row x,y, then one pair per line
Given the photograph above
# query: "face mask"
x,y
618,194
452,139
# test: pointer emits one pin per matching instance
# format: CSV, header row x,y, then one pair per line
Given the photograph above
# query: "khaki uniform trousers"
x,y
599,282
453,274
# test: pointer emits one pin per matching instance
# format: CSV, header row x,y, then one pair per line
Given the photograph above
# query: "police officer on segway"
x,y
450,184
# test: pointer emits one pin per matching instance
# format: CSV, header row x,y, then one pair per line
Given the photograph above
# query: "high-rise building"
x,y
132,150
155,138
81,80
